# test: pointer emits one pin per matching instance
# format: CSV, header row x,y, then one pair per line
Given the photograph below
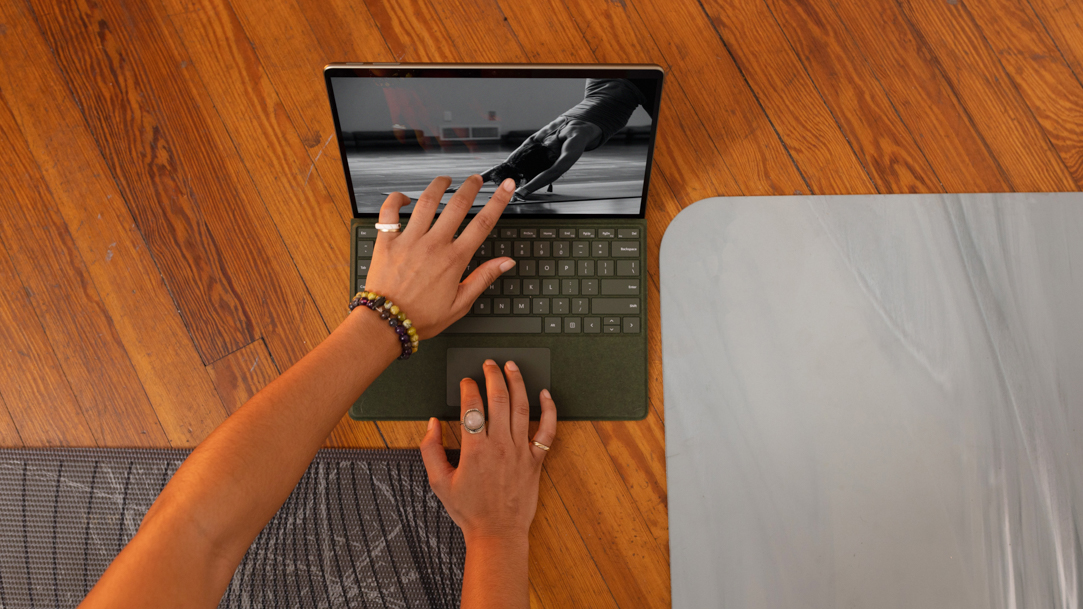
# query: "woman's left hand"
x,y
419,268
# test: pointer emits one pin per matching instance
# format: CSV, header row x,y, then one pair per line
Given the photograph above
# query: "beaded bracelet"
x,y
395,317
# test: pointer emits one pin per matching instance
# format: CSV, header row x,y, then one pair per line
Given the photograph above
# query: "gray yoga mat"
x,y
361,529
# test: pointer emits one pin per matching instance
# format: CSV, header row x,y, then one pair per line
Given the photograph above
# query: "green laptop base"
x,y
592,376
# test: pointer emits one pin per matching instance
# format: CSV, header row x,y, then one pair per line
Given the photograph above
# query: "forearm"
x,y
496,574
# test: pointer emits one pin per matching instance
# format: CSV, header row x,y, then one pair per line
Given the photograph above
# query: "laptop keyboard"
x,y
565,281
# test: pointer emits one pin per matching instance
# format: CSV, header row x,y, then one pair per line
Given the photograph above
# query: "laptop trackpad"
x,y
466,362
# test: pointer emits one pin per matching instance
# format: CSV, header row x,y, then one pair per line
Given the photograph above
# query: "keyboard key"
x,y
569,287
620,287
580,306
541,249
566,268
606,233
614,306
522,249
592,325
541,306
567,233
547,268
363,267
367,233
628,233
611,321
580,249
501,306
590,287
502,248
600,249
572,325
605,267
520,306
528,233
611,329
531,287
509,233
631,325
493,289
486,250
482,306
492,234
586,233
552,325
511,287
548,233
586,268
627,268
561,249
626,249
511,272
550,287
496,325
364,249
560,306
527,268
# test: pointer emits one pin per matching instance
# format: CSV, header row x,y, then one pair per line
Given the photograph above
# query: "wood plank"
x,y
925,101
9,435
1063,21
1040,73
535,600
840,74
135,298
1002,118
242,374
41,409
93,365
413,31
231,259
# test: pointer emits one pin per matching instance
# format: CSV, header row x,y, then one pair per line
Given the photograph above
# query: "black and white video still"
x,y
572,145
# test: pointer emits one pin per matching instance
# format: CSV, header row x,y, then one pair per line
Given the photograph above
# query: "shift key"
x,y
620,287
614,306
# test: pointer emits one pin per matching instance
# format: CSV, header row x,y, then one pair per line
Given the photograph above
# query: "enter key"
x,y
620,287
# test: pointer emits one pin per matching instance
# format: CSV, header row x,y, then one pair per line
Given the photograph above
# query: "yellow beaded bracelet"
x,y
396,318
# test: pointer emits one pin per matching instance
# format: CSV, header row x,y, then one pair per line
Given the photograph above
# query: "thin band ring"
x,y
478,421
389,228
540,445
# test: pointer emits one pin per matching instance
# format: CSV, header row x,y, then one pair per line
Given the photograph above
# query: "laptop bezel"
x,y
394,70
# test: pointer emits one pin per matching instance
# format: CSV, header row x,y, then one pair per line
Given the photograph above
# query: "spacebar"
x,y
496,325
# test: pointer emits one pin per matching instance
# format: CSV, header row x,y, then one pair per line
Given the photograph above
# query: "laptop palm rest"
x,y
466,362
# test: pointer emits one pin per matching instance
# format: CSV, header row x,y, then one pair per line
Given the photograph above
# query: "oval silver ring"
x,y
476,422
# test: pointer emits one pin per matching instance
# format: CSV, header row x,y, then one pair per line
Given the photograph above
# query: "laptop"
x,y
578,140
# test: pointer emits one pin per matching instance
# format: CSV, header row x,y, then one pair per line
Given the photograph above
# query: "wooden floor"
x,y
174,216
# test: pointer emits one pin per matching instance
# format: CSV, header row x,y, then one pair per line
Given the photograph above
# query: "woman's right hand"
x,y
493,493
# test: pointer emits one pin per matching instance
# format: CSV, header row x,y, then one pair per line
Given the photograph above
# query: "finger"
x,y
432,453
499,425
457,208
547,426
389,213
482,224
425,209
470,398
520,405
476,282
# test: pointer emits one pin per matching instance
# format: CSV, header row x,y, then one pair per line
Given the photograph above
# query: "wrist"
x,y
503,544
374,333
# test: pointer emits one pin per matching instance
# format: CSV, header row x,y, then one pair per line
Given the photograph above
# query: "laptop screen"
x,y
576,140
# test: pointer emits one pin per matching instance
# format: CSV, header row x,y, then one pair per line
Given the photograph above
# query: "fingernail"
x,y
545,394
432,423
507,264
511,365
490,362
508,184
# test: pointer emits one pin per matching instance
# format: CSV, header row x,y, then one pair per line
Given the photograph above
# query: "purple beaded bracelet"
x,y
395,317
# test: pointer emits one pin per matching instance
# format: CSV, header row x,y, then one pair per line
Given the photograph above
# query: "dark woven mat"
x,y
362,529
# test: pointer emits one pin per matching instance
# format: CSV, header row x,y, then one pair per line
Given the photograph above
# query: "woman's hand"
x,y
419,268
493,494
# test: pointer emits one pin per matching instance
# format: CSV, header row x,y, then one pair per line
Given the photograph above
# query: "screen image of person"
x,y
571,145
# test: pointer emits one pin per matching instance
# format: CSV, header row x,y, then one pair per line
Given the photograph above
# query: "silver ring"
x,y
479,421
389,228
540,445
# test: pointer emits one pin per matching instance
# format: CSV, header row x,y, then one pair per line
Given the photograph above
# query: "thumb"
x,y
432,453
481,278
